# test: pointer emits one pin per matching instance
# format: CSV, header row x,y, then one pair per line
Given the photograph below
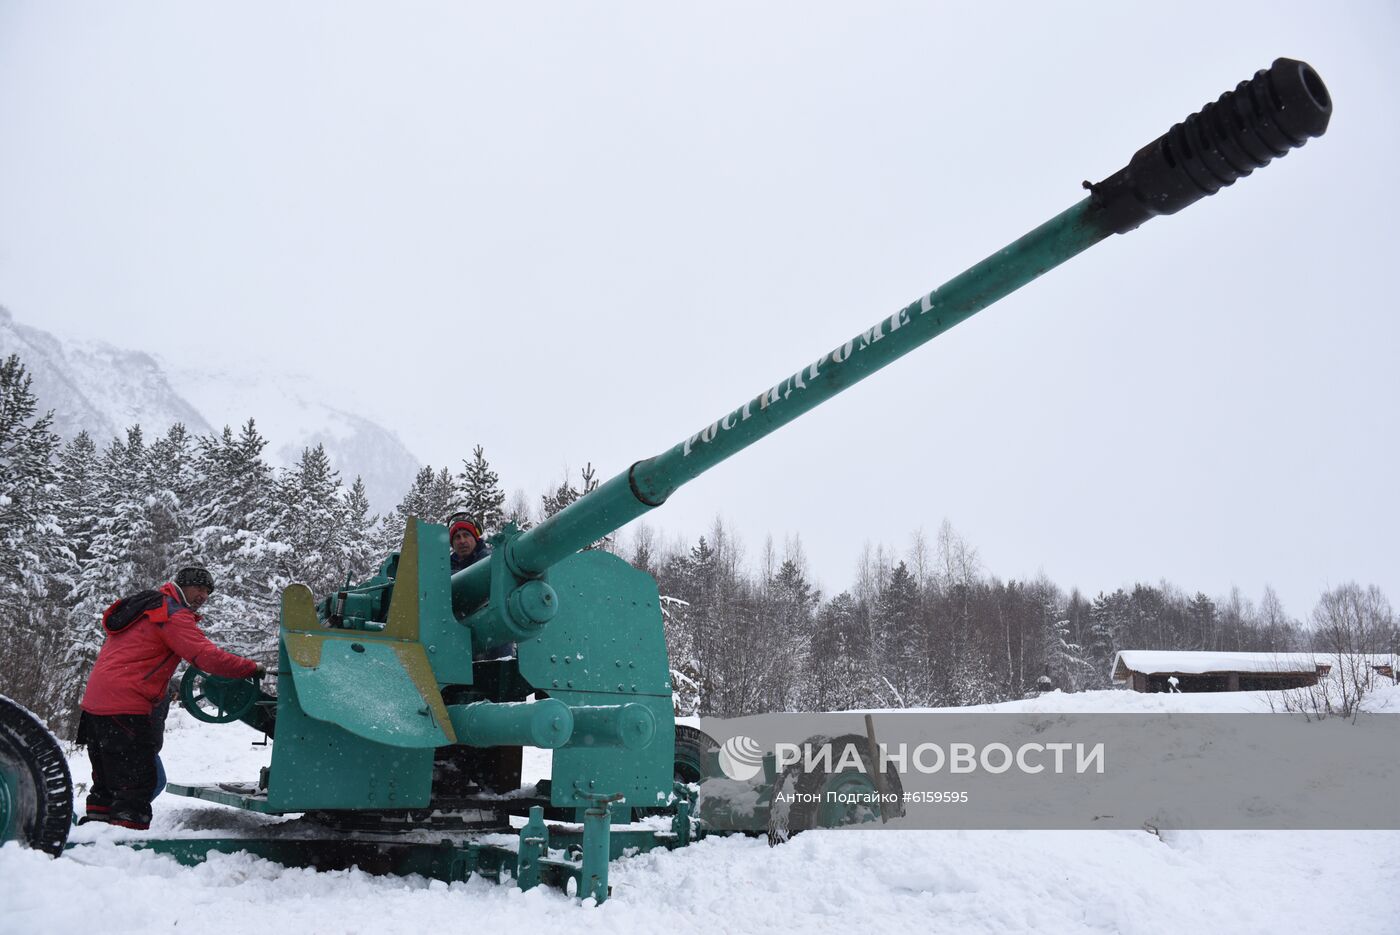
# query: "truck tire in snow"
x,y
821,799
36,790
695,754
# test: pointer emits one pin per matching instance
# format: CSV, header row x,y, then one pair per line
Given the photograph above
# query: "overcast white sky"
x,y
577,232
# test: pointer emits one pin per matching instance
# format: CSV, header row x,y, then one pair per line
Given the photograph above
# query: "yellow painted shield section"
x,y
376,685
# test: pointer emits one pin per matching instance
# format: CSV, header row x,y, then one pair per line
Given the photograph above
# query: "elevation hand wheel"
x,y
217,700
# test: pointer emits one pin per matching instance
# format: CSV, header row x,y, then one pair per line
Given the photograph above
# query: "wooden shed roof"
x,y
1188,662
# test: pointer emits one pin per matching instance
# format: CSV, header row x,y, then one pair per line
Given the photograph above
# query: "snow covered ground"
x,y
928,881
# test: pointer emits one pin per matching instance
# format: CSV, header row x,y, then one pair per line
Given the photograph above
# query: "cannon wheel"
x,y
214,699
694,750
813,809
36,789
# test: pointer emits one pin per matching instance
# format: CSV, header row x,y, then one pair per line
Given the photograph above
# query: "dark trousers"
x,y
123,750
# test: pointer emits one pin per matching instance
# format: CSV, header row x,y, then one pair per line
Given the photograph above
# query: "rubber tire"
x,y
784,822
34,761
696,753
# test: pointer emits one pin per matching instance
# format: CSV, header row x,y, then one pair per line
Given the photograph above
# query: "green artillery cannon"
x,y
386,717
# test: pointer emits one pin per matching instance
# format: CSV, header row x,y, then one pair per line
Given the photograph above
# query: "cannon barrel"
x,y
1278,109
382,704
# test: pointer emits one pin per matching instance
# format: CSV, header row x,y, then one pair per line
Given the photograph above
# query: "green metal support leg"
x,y
597,826
534,846
680,824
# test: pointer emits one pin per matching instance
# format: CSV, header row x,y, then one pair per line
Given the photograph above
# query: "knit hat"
x,y
466,524
194,576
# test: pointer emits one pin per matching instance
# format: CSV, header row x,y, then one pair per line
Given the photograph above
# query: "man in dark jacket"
x,y
147,636
467,549
494,768
465,537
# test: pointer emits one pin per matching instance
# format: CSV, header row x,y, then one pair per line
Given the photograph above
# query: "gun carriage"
x,y
390,729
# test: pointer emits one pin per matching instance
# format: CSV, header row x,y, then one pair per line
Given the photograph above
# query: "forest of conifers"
x,y
86,521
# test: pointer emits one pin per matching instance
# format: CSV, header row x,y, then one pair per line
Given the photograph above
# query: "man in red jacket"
x,y
147,636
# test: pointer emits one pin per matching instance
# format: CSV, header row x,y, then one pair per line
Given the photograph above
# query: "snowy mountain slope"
x,y
96,387
103,389
925,881
290,413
